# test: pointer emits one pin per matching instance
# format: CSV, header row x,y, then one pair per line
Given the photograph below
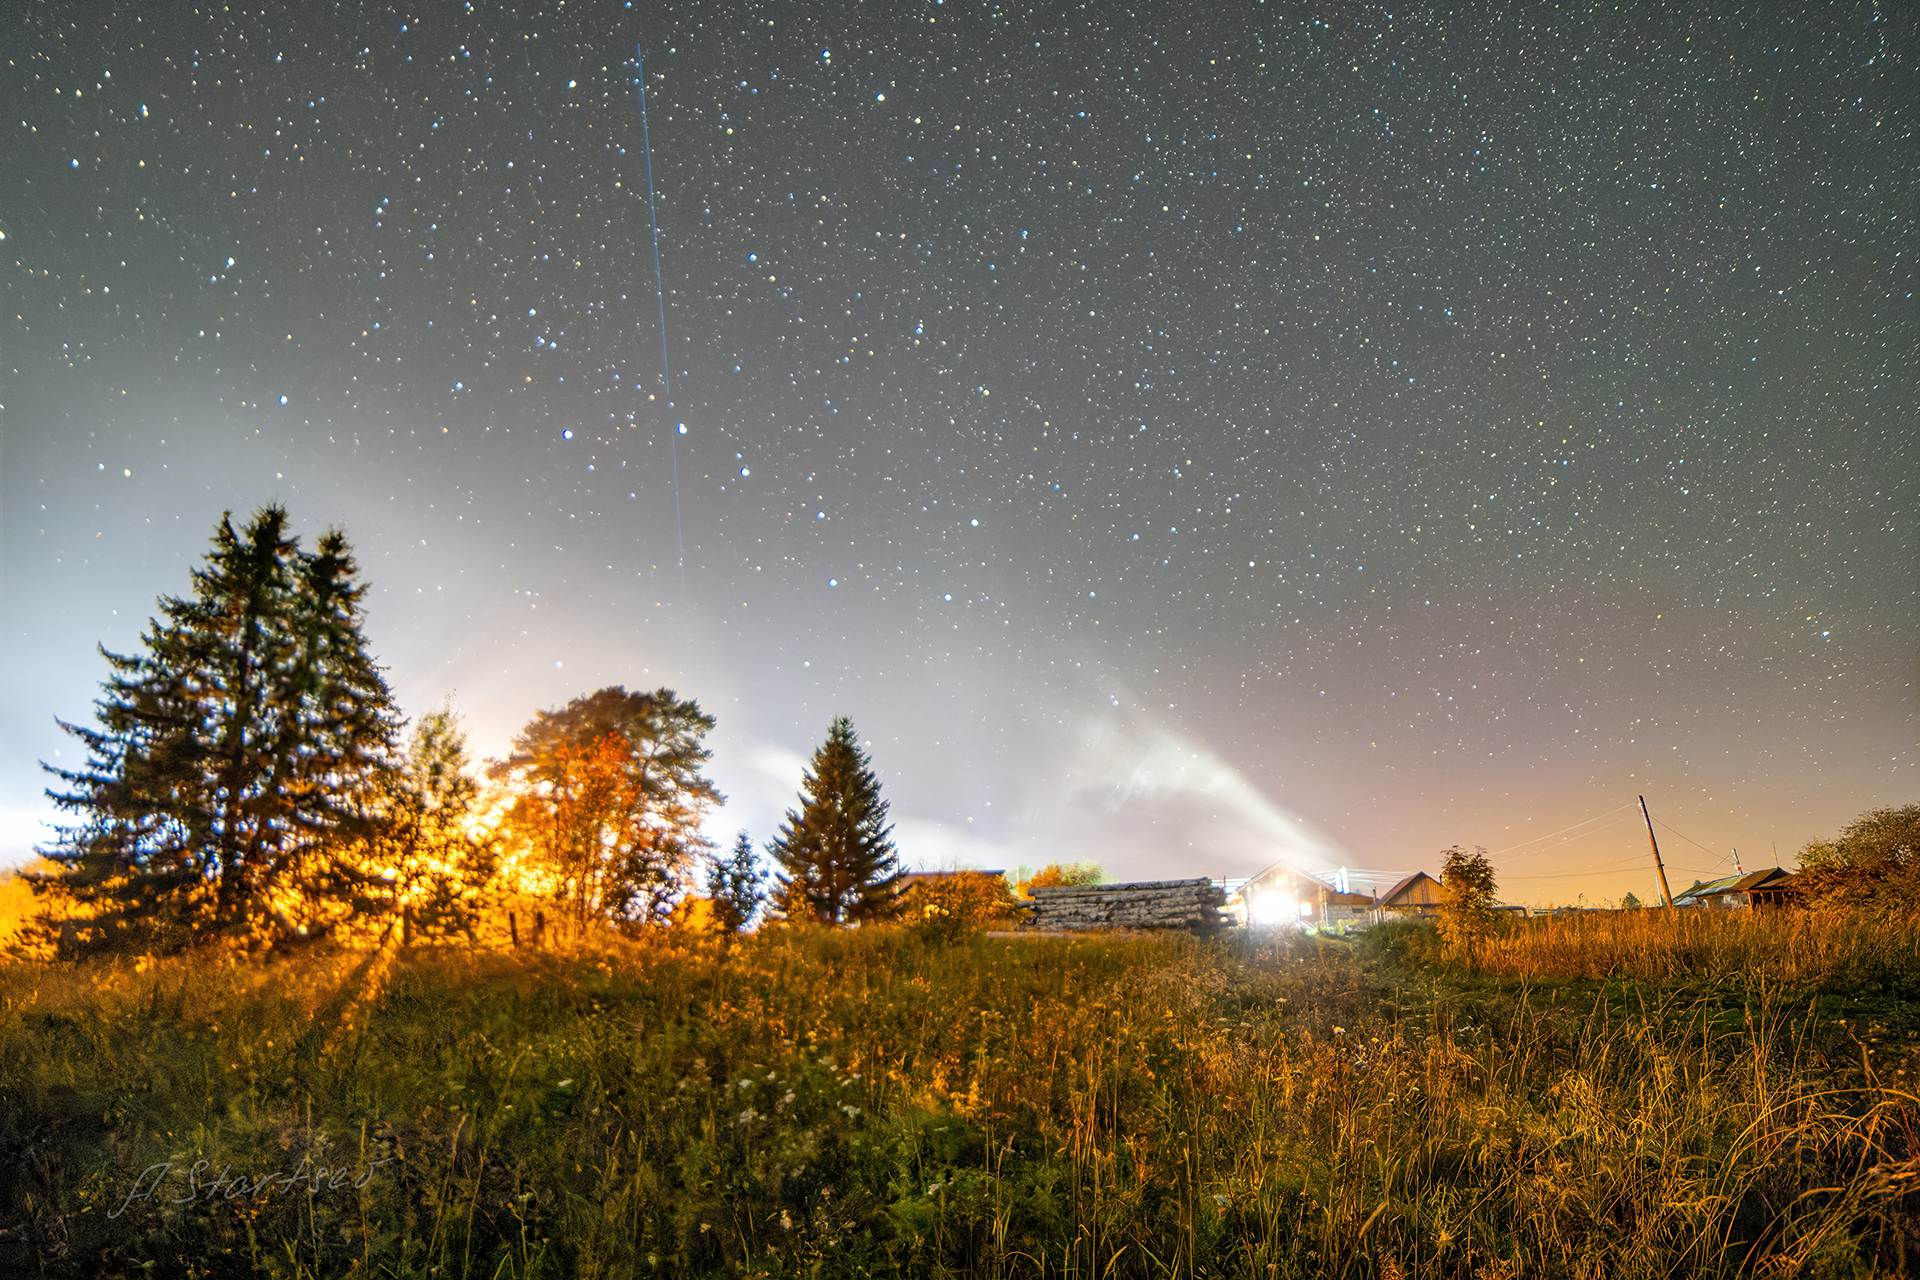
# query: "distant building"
x,y
1770,887
1773,887
1418,897
1285,894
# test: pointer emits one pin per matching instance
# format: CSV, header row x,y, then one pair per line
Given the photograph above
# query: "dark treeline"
x,y
249,781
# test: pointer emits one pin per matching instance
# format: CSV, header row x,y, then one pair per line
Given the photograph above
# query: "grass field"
x,y
1625,1095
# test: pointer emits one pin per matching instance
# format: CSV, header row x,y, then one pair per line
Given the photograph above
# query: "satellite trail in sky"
x,y
660,295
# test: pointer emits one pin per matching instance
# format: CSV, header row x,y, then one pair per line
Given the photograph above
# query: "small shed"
x,y
1769,887
1721,894
1418,896
1773,887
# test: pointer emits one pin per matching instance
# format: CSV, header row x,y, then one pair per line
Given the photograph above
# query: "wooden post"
x,y
1657,864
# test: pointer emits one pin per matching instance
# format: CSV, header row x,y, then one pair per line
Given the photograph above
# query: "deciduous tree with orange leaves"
x,y
608,798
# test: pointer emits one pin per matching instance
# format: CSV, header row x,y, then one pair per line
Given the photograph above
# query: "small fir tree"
x,y
736,886
836,856
432,864
235,759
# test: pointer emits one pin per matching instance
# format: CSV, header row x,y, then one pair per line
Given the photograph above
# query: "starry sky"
x,y
1179,435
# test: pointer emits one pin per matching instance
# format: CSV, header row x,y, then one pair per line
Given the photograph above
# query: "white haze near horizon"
x,y
1142,800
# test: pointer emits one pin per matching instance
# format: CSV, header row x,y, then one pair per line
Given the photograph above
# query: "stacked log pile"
x,y
1152,904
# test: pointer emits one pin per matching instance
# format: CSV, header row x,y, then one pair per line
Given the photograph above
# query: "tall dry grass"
x,y
1788,947
873,1103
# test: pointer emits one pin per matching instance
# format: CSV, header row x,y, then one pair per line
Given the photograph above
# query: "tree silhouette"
x,y
1466,905
235,758
836,855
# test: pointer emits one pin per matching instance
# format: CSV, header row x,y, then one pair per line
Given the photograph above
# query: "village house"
x,y
1285,894
1770,887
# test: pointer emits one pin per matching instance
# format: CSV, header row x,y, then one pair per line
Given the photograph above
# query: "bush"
x,y
1466,906
947,907
1880,838
1873,865
1408,944
1064,873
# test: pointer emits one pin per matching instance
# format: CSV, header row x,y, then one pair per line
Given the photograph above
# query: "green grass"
x,y
1724,1100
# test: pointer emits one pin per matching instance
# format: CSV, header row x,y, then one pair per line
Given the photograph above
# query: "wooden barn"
x,y
1418,896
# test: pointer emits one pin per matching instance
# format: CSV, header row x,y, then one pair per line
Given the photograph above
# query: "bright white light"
x,y
1268,908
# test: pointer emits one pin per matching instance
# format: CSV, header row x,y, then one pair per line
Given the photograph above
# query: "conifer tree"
x,y
610,800
735,886
836,854
429,862
234,758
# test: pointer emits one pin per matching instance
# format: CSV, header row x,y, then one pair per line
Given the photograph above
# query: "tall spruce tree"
x,y
611,799
836,855
234,759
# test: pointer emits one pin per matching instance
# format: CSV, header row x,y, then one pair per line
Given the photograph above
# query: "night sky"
x,y
1178,435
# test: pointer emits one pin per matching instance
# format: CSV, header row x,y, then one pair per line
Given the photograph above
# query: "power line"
x,y
1551,834
1683,835
1590,871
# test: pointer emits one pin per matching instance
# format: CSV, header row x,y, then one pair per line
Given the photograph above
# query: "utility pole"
x,y
1657,864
